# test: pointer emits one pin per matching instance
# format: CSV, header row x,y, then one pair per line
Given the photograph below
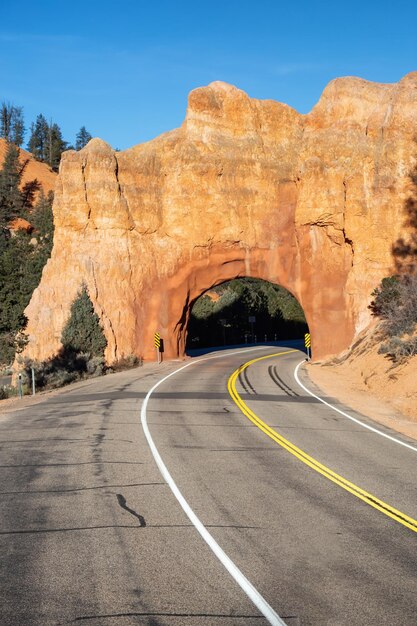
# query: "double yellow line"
x,y
385,508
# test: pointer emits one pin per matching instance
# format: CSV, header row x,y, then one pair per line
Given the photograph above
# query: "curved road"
x,y
91,533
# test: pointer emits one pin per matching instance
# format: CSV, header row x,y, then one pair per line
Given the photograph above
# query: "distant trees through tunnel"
x,y
244,310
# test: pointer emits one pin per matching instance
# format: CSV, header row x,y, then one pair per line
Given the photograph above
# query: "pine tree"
x,y
11,200
6,115
42,217
38,141
12,126
82,138
56,146
43,222
18,126
82,332
28,194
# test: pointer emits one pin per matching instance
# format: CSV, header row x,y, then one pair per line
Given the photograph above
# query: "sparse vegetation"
x,y
395,303
62,369
7,391
395,300
82,353
125,363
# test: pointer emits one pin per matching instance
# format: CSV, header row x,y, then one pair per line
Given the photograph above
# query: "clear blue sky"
x,y
124,69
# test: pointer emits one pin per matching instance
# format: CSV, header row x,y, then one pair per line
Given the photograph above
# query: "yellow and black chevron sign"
x,y
307,340
157,340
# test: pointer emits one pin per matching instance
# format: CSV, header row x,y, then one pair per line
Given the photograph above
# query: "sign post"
x,y
252,320
157,344
307,343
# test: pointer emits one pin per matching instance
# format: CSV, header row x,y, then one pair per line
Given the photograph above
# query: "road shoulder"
x,y
333,382
17,404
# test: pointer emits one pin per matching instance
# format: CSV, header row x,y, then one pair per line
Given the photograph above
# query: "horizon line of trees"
x,y
45,143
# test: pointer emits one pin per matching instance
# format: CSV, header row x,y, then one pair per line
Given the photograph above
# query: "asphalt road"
x,y
91,533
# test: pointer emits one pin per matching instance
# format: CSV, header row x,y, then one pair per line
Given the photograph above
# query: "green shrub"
x,y
395,303
398,349
68,367
386,297
126,362
95,366
82,354
7,392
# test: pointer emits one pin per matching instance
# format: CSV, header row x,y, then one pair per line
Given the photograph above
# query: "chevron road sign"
x,y
157,344
307,343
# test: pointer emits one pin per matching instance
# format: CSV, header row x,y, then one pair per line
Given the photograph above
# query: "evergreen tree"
x,y
22,256
12,127
46,142
6,114
42,217
11,201
28,194
38,141
82,332
56,146
18,126
42,220
82,138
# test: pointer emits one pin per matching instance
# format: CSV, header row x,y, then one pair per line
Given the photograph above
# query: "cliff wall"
x,y
244,188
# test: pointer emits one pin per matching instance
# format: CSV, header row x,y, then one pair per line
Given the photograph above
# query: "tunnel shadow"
x,y
243,312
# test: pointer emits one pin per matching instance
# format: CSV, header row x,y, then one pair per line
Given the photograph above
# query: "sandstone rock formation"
x,y
244,188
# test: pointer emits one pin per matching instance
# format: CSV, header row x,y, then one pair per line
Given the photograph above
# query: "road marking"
x,y
253,594
353,419
385,508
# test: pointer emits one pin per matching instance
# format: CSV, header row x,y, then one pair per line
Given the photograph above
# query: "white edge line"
x,y
252,593
353,419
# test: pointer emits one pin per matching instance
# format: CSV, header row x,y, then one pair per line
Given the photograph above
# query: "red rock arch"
x,y
244,188
326,312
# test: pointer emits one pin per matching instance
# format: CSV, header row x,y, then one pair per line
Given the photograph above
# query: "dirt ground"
x,y
371,384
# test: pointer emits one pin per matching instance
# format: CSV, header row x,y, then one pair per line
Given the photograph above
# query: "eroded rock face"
x,y
244,188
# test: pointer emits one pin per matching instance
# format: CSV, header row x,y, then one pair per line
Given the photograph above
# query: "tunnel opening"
x,y
244,311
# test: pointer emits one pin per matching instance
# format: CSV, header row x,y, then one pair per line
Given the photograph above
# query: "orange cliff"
x,y
244,188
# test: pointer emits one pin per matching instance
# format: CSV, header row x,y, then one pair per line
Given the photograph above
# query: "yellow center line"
x,y
385,508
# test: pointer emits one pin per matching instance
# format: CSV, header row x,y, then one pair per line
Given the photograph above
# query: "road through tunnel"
x,y
244,311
